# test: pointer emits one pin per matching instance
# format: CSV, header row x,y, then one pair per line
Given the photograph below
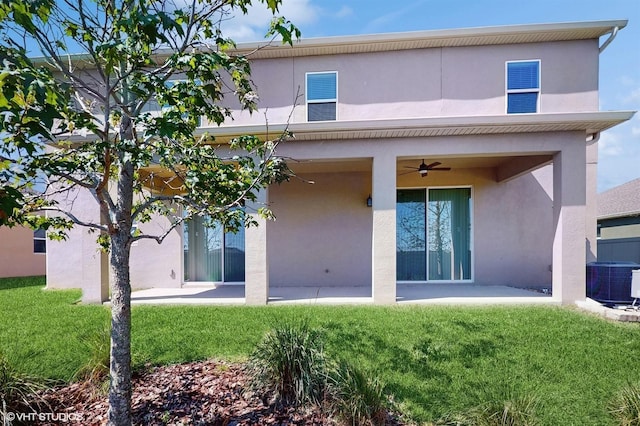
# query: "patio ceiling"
x,y
506,167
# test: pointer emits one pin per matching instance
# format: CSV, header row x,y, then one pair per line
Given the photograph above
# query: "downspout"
x,y
593,138
608,41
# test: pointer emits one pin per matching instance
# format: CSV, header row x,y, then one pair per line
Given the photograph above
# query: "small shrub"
x,y
355,398
515,411
96,370
289,365
18,391
625,405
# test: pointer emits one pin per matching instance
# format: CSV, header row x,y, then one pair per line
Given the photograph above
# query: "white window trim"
x,y
508,91
320,101
471,236
40,239
162,108
205,283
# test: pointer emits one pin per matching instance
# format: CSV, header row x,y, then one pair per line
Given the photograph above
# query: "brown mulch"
x,y
197,393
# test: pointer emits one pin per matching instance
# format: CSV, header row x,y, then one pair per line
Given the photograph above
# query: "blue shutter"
x,y
522,103
523,75
321,86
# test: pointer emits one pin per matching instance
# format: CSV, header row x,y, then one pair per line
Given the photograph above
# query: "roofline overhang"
x,y
588,122
473,36
620,215
505,34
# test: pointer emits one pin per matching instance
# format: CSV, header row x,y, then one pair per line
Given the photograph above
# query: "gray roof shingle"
x,y
620,201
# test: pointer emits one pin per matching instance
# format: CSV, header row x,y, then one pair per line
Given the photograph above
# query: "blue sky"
x,y
619,149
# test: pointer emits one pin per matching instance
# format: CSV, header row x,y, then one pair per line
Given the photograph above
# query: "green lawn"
x,y
433,360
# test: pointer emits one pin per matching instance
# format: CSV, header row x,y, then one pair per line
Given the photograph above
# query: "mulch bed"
x,y
197,393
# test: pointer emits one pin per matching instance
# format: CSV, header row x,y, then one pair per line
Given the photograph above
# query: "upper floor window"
x,y
523,86
39,241
153,106
322,96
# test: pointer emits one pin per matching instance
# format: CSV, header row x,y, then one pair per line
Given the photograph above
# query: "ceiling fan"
x,y
424,169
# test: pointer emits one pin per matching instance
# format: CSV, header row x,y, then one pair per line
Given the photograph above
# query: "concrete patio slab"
x,y
454,294
622,315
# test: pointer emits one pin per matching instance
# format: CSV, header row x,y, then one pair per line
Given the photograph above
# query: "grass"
x,y
433,360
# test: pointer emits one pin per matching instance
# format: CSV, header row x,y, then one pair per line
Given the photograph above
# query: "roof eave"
x,y
589,122
522,33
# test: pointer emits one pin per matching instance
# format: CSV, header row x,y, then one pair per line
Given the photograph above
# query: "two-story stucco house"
x,y
463,156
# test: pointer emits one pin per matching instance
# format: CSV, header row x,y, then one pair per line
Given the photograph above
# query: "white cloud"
x,y
381,22
343,12
253,25
609,145
632,97
619,150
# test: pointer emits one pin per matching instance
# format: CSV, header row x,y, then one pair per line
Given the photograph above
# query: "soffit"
x,y
508,34
589,123
511,34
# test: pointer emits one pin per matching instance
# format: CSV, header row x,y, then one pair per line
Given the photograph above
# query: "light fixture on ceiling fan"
x,y
424,168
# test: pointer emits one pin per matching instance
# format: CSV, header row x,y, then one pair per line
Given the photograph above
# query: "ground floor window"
x,y
210,254
39,241
433,234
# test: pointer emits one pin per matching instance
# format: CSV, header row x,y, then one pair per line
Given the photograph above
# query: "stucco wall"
x,y
322,232
76,261
153,264
427,82
17,258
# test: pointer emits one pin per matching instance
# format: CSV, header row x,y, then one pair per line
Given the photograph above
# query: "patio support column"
x,y
256,282
95,270
569,200
384,229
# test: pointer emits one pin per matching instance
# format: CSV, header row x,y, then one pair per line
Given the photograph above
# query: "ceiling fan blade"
x,y
441,169
434,164
406,173
412,168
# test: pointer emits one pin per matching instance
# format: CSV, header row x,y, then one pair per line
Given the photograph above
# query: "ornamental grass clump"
x,y
625,405
289,365
95,371
18,391
513,411
355,398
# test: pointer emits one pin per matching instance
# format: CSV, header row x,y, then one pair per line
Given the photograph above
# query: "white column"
x,y
95,272
569,199
256,282
384,229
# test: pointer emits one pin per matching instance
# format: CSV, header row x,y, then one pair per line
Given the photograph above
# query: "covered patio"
x,y
429,294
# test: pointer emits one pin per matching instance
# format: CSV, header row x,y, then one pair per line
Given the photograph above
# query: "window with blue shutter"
x,y
523,86
322,96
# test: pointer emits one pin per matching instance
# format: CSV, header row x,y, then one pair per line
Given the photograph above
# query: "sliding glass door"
x,y
210,254
434,234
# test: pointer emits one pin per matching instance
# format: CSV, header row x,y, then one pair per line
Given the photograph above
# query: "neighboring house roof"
x,y
620,201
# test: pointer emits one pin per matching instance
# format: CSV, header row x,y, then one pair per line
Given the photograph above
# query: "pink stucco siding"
x,y
17,258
